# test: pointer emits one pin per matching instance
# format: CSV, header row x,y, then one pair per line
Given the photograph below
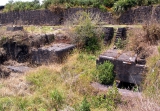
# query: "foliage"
x,y
19,6
105,73
84,106
117,5
109,3
57,99
86,34
122,5
120,44
109,100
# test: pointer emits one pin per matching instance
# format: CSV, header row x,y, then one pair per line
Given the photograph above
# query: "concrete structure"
x,y
126,67
51,54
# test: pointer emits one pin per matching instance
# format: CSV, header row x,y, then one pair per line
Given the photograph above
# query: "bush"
x,y
120,44
109,100
109,3
123,5
105,73
85,34
57,99
84,106
19,6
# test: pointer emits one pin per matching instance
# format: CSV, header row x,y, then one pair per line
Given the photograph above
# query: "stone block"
x,y
16,28
50,54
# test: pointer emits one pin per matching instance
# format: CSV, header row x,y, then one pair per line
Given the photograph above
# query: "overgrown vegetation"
x,y
145,43
110,100
142,41
59,87
84,32
117,6
105,73
19,6
152,82
120,43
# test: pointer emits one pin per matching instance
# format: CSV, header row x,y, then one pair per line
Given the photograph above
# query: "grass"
x,y
60,86
54,87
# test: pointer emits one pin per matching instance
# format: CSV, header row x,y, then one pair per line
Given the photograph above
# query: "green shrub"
x,y
84,106
105,73
86,35
109,100
19,6
109,3
120,44
57,99
123,5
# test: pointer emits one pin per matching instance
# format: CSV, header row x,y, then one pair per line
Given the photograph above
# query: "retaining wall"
x,y
45,17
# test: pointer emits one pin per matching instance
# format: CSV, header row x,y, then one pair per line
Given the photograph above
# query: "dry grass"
x,y
138,104
144,41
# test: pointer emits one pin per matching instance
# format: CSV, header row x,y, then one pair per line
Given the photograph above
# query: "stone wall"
x,y
137,15
46,17
37,17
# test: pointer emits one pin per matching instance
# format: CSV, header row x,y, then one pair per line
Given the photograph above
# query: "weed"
x,y
109,100
105,73
57,99
120,44
84,106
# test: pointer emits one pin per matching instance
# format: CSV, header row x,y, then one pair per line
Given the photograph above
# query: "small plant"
x,y
84,106
113,97
108,100
22,103
57,99
105,73
120,44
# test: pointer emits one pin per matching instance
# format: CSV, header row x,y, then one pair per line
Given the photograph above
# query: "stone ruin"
x,y
128,67
29,51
